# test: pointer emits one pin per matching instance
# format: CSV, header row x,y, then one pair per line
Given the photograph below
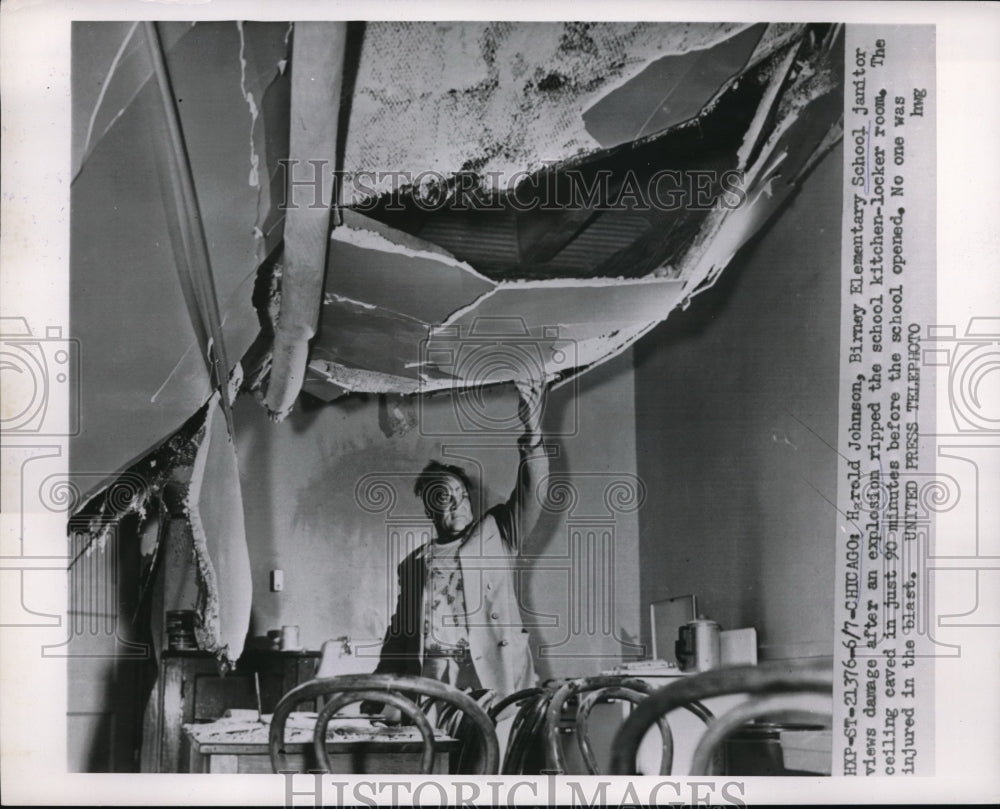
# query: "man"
x,y
457,617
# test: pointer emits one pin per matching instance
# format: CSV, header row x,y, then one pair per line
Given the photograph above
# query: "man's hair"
x,y
432,475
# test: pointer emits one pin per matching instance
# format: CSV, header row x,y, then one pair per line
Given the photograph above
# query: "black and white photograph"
x,y
459,408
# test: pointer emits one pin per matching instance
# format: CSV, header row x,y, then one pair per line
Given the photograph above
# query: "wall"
x,y
306,515
736,415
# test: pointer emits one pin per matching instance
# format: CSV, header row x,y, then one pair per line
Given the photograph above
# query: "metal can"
x,y
290,638
698,645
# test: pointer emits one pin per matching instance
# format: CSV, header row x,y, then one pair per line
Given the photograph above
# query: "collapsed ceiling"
x,y
495,200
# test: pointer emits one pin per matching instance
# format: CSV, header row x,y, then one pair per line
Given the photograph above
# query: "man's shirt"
x,y
446,624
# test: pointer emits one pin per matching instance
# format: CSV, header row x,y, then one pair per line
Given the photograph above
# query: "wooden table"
x,y
190,689
355,746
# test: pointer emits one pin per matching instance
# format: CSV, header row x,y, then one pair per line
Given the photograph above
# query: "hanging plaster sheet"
x,y
147,358
215,510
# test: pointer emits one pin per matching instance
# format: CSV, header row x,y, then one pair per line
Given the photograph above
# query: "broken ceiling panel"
x,y
670,91
806,124
620,212
433,101
419,321
110,66
396,272
496,98
380,336
544,329
139,349
368,337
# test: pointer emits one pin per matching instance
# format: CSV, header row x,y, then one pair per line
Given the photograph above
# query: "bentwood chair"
x,y
589,691
523,754
782,692
398,692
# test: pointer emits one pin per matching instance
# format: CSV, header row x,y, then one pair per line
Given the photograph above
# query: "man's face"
x,y
449,507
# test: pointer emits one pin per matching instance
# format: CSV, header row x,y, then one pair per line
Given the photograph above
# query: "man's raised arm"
x,y
525,504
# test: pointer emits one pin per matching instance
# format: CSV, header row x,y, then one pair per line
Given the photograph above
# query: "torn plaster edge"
x,y
553,283
356,380
104,508
703,274
366,239
100,526
815,89
357,220
633,70
767,104
632,337
709,269
359,380
92,500
762,51
755,63
254,178
765,49
207,626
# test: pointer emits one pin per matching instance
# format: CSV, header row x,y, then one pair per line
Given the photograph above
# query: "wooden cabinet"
x,y
191,689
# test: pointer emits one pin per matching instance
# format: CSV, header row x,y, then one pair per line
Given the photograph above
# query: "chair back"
x,y
523,754
389,689
786,691
619,687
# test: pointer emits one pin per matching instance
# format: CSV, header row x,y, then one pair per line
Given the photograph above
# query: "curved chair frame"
x,y
766,679
386,688
617,686
528,723
512,699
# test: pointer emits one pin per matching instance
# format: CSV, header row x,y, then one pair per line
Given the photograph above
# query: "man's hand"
x,y
532,394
